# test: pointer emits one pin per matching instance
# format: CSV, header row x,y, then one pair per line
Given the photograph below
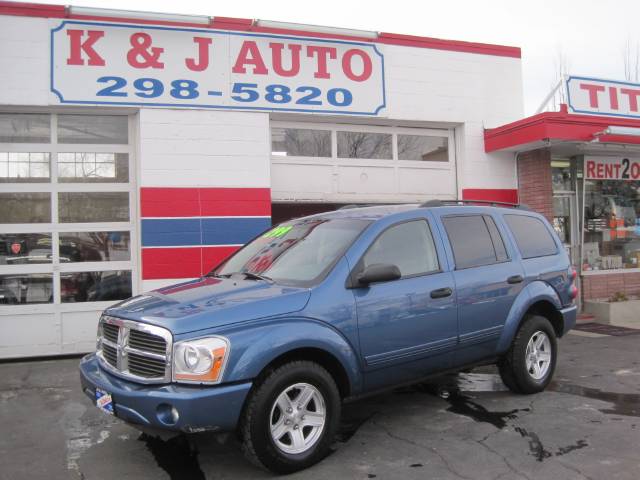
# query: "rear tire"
x,y
530,362
291,418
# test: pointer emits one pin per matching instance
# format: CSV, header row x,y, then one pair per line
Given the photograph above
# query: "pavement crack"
x,y
504,459
446,463
575,470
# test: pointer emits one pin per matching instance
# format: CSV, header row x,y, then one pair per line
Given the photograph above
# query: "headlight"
x,y
200,361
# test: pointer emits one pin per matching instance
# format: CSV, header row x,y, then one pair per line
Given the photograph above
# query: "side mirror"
x,y
378,272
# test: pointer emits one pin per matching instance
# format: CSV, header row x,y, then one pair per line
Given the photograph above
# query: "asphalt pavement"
x,y
585,426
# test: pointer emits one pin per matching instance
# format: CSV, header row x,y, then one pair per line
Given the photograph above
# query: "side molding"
x,y
532,293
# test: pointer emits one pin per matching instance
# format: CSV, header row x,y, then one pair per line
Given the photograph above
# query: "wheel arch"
x,y
537,298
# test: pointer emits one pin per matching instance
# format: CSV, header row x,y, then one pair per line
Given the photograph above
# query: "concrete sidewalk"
x,y
585,426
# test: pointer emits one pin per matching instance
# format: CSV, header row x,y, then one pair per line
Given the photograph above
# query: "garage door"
x,y
337,163
66,228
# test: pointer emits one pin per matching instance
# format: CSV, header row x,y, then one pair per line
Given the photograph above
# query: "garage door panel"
x,y
366,179
79,331
29,335
426,181
301,179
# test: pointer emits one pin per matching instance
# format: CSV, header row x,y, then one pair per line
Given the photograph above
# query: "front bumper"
x,y
199,408
569,316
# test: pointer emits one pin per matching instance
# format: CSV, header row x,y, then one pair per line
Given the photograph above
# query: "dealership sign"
x,y
125,64
612,168
603,97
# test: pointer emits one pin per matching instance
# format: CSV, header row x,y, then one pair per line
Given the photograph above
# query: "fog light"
x,y
167,414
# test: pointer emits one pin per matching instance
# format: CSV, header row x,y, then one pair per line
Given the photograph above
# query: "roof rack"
x,y
356,205
442,203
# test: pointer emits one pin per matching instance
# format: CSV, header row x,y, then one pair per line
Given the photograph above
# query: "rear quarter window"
x,y
532,236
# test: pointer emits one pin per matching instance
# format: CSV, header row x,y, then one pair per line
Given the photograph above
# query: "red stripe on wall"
x,y
171,263
507,195
159,263
213,256
204,202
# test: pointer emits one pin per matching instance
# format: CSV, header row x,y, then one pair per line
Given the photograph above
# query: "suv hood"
x,y
211,302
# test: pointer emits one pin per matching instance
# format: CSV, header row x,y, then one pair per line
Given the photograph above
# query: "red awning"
x,y
547,128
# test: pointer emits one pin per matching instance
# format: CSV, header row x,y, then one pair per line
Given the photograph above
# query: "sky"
x,y
586,37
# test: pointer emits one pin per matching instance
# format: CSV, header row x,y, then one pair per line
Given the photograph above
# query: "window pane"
x,y
93,129
24,167
612,224
78,207
288,142
364,145
95,286
94,246
532,236
93,167
24,289
426,149
24,128
409,246
25,248
470,240
25,207
496,237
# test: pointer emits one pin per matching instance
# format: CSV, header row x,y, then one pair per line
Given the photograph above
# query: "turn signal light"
x,y
573,292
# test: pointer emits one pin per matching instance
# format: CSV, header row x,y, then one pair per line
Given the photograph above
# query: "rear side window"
x,y
409,246
532,236
475,240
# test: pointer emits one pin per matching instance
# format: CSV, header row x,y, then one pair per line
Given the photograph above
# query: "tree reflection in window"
x,y
298,142
364,145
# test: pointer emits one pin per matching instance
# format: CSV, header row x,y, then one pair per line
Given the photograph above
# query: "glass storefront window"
x,y
25,289
93,129
24,167
366,145
82,207
24,128
25,207
88,167
423,148
611,224
25,248
299,142
94,246
561,178
95,286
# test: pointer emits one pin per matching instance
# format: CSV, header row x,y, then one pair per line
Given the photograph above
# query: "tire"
x,y
292,450
518,366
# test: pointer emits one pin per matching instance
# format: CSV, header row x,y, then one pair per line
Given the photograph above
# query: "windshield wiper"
x,y
257,276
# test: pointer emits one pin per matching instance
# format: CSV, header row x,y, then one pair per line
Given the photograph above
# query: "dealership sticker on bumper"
x,y
104,401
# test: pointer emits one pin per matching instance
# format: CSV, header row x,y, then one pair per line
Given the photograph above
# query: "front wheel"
x,y
291,417
529,364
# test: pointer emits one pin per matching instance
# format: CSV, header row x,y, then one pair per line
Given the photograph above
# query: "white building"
x,y
139,150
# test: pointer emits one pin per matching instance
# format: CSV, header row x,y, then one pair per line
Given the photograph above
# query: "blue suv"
x,y
330,307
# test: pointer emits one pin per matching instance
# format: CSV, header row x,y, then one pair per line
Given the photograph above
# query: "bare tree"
x,y
631,60
561,67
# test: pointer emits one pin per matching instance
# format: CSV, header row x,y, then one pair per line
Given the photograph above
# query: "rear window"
x,y
532,236
475,240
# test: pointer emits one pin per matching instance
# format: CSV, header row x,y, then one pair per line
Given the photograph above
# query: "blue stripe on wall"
x,y
230,231
176,232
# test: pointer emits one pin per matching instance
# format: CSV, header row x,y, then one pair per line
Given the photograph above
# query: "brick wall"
x,y
534,181
603,286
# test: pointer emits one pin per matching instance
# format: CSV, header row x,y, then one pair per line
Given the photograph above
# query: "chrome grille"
x,y
135,350
146,341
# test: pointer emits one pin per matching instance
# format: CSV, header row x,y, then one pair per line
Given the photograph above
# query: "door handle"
x,y
441,292
515,279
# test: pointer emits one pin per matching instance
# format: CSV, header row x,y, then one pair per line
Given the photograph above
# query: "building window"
x,y
66,217
365,145
611,224
423,148
300,142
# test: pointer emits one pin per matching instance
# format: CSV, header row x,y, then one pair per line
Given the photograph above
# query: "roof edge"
x,y
24,9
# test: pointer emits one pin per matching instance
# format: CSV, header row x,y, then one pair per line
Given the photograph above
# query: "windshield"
x,y
296,252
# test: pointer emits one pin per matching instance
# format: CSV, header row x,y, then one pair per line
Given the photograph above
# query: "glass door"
x,y
564,223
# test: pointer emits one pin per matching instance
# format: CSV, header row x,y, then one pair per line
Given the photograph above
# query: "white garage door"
x,y
66,228
355,163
